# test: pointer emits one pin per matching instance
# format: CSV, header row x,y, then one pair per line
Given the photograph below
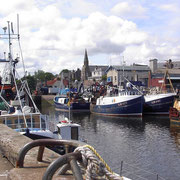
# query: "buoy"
x,y
64,121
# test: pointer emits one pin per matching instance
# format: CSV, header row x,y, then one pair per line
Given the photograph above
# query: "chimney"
x,y
153,65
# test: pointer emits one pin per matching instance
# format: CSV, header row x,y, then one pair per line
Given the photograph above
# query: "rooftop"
x,y
132,68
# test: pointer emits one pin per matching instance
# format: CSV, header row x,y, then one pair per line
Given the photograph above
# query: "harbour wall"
x,y
11,143
39,99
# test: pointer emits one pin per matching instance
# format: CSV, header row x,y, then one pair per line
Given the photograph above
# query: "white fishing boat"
x,y
19,105
21,113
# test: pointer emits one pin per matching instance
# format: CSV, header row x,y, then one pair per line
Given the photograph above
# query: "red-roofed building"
x,y
52,83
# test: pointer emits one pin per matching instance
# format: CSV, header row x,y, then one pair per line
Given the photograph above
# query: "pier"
x,y
24,159
39,99
11,143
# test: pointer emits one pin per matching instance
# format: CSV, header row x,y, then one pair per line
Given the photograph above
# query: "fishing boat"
x,y
124,104
174,114
72,101
21,113
159,102
64,129
19,108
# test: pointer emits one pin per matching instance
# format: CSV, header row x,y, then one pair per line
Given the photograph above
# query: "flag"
x,y
68,103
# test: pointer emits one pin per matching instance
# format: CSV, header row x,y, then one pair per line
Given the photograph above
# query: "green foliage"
x,y
31,82
104,77
65,71
49,76
40,75
43,76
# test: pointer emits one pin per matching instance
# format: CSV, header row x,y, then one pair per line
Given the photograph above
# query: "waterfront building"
x,y
156,78
135,72
55,83
76,75
97,72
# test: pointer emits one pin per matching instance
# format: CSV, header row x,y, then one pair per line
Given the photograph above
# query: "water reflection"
x,y
122,122
147,142
159,121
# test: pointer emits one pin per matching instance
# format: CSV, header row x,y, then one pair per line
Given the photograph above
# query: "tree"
x,y
40,75
43,76
104,77
64,71
49,76
31,82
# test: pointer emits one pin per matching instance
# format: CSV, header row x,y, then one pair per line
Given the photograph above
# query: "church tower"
x,y
85,73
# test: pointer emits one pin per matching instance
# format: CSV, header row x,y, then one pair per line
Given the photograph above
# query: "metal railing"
x,y
43,122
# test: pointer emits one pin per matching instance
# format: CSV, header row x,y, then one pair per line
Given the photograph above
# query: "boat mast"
x,y
123,65
128,79
69,97
13,62
10,55
9,34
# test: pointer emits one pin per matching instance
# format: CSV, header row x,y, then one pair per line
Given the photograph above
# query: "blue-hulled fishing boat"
x,y
72,103
121,105
158,103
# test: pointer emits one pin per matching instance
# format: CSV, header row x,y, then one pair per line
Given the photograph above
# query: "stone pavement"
x,y
5,167
10,144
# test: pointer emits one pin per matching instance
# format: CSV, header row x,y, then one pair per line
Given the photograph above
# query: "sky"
x,y
55,33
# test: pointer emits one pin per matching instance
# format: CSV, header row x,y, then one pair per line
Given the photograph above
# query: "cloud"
x,y
131,9
76,8
55,44
9,6
169,7
53,39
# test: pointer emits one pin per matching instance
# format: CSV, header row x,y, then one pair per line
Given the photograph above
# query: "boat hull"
x,y
132,107
72,107
158,104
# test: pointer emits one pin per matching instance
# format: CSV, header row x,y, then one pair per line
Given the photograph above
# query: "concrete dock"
x,y
11,143
41,99
5,167
48,98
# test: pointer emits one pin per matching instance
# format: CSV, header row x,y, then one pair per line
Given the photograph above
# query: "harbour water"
x,y
148,147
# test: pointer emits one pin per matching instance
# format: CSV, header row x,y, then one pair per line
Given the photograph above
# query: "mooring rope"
x,y
94,165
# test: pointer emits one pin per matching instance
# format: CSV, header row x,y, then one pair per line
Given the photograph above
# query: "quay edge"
x,y
10,144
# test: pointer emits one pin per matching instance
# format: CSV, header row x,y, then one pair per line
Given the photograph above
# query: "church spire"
x,y
85,73
86,61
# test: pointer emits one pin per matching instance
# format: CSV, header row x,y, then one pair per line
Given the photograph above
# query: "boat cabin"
x,y
68,131
62,100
